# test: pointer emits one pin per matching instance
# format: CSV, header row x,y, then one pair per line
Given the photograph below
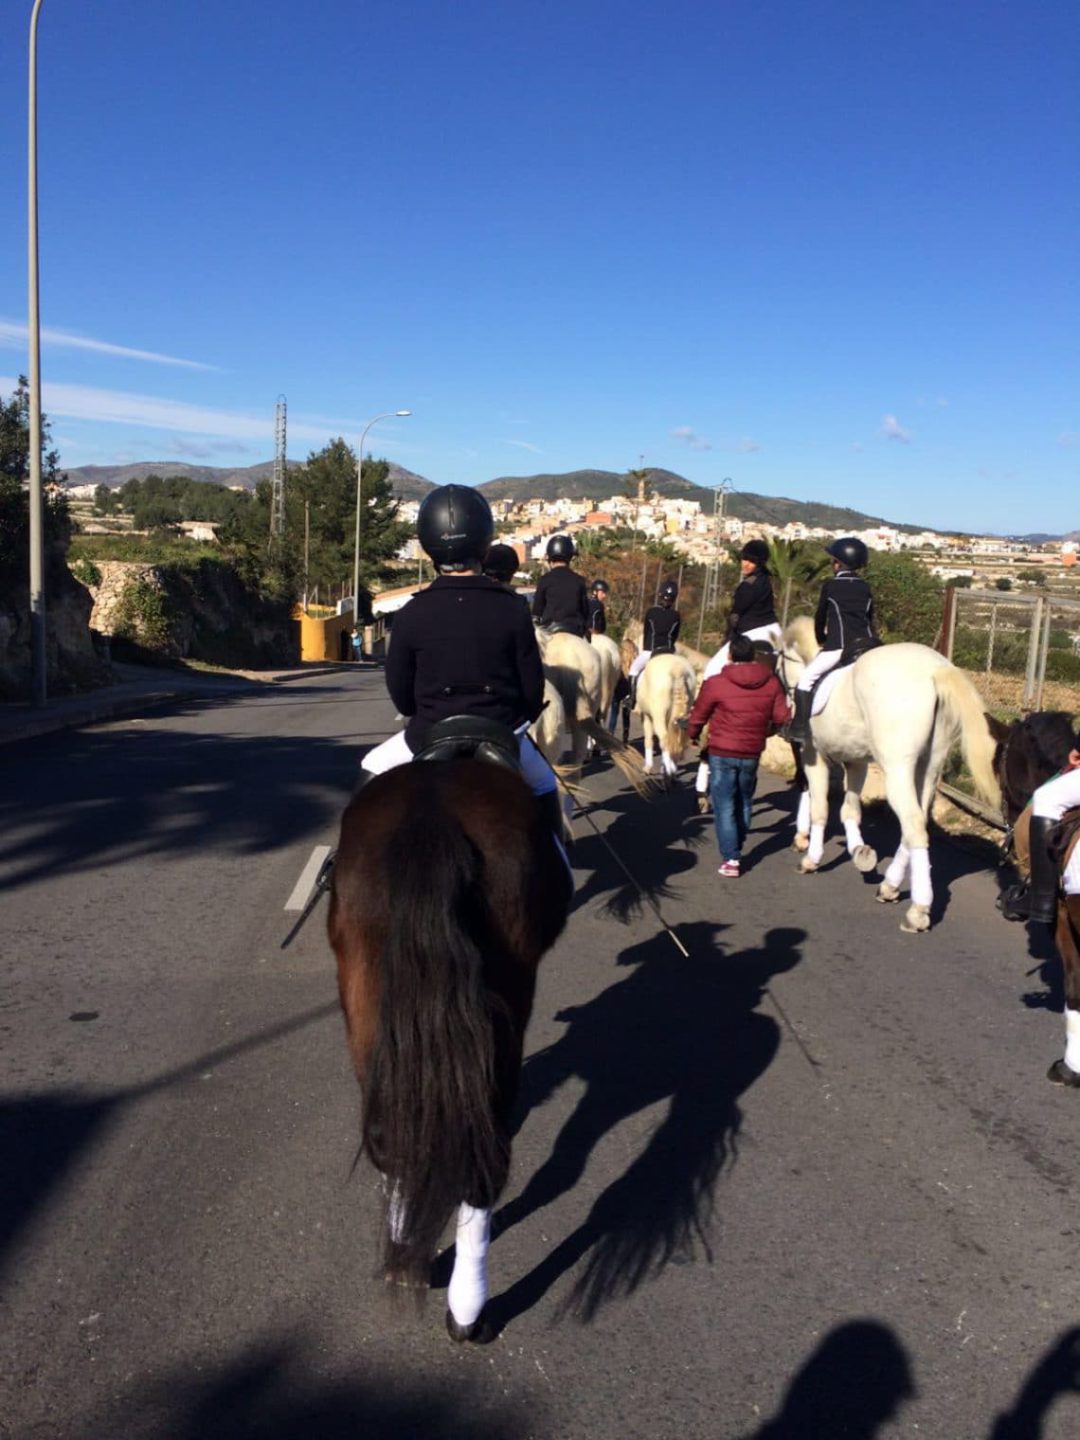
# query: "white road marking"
x,y
302,890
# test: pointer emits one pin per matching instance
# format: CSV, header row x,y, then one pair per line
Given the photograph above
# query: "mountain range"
x,y
597,485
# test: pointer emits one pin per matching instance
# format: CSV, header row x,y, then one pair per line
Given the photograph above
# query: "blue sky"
x,y
828,250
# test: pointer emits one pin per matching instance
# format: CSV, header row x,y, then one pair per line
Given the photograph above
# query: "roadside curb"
x,y
98,710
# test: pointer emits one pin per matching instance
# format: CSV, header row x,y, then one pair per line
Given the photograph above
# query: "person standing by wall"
x,y
740,706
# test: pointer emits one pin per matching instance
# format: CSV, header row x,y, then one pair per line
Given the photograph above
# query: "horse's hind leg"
x,y
1067,1070
468,1284
864,856
817,780
647,726
904,800
895,875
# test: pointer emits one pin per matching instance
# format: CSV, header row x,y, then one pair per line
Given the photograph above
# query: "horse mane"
x,y
800,637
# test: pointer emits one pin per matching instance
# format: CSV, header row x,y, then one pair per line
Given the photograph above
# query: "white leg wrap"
x,y
896,874
922,891
701,784
817,844
854,835
802,820
1072,1039
648,755
468,1284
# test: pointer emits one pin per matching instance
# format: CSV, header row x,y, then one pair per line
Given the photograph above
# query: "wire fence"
x,y
1022,650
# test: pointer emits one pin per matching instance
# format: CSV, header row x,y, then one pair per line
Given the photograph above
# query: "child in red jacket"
x,y
741,706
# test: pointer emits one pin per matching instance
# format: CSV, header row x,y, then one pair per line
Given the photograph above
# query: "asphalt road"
x,y
808,1181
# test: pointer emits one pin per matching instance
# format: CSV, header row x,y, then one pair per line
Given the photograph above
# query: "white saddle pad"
x,y
825,689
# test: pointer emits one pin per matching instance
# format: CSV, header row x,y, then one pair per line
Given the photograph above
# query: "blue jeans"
x,y
732,781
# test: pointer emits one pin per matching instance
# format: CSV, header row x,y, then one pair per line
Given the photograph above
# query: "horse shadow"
x,y
687,1031
657,846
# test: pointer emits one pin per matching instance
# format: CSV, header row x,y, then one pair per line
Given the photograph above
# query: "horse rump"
x,y
439,871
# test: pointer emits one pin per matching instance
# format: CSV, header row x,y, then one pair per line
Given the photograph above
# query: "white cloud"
x,y
525,445
893,430
117,407
207,449
15,336
747,445
692,438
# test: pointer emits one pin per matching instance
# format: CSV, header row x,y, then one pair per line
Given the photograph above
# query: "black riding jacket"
x,y
752,604
464,646
562,598
845,611
597,616
661,629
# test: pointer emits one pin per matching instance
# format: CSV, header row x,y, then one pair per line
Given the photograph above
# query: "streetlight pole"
x,y
388,415
38,655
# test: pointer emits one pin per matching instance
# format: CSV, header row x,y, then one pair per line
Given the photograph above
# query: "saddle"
x,y
471,737
1063,839
852,651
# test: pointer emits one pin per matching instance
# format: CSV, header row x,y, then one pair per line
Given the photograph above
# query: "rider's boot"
x,y
1042,896
798,729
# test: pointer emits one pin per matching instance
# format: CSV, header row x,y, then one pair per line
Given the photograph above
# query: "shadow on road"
x,y
108,796
855,1381
270,1394
687,1031
43,1136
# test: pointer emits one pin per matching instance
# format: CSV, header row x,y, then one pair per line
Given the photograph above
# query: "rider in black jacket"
x,y
845,614
598,593
562,600
464,646
660,631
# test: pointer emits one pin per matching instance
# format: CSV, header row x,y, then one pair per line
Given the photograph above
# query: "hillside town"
x,y
696,535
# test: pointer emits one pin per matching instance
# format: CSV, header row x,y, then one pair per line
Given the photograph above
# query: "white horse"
x,y
574,669
903,706
547,730
665,695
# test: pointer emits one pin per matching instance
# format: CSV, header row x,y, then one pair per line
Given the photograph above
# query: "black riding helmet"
x,y
755,550
454,525
669,592
501,563
560,547
849,551
598,585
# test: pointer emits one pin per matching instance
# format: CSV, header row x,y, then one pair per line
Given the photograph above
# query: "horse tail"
x,y
626,758
682,701
429,1092
964,707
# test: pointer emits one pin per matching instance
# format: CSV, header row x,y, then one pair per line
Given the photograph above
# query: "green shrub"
x,y
86,572
144,615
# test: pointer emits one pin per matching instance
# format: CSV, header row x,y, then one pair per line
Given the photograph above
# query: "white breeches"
x,y
1052,800
535,770
771,633
821,664
640,660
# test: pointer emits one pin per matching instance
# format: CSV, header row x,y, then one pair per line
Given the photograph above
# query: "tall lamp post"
x,y
389,414
711,588
38,657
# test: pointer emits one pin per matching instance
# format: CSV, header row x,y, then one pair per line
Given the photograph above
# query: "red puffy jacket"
x,y
740,705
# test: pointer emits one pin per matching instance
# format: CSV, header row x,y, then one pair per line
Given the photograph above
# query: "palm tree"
x,y
795,564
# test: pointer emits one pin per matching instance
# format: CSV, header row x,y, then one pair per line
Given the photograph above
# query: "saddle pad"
x,y
824,689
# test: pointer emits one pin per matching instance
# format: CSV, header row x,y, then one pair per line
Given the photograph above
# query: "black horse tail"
x,y
430,1122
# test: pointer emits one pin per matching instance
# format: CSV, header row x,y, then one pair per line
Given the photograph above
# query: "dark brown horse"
x,y
1030,752
447,890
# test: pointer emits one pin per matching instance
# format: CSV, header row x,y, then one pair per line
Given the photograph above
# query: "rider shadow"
x,y
1057,1373
852,1385
660,1210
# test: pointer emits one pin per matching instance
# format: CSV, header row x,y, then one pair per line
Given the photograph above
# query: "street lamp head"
x,y
402,412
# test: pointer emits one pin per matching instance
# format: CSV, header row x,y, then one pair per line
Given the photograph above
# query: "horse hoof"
x,y
916,920
801,842
864,858
703,806
1060,1074
479,1332
887,894
806,866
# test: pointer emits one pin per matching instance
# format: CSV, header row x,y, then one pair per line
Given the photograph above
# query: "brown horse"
x,y
447,890
1030,752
